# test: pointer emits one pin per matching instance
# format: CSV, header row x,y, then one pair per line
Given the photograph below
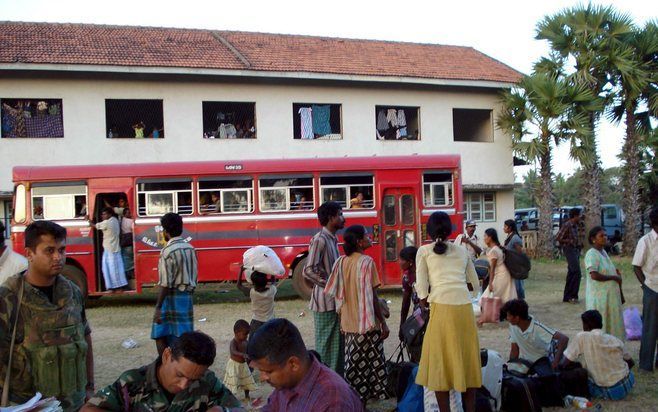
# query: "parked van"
x,y
612,218
530,215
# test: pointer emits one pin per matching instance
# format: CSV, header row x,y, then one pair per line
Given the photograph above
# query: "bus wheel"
x,y
303,287
78,277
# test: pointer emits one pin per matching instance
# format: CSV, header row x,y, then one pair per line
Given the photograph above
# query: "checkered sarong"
x,y
329,342
44,126
177,315
365,368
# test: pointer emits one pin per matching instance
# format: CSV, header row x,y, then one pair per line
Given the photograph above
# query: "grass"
x,y
217,307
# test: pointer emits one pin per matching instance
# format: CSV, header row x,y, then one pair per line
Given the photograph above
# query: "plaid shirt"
x,y
322,254
320,390
177,267
568,235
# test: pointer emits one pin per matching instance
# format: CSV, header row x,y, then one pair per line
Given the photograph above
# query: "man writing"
x,y
177,271
10,261
177,381
470,240
43,313
569,239
301,383
323,252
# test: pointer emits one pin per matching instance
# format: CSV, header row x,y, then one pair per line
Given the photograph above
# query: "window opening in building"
x,y
229,120
55,201
31,118
349,191
437,189
316,121
226,195
480,206
282,193
157,197
472,125
134,119
397,123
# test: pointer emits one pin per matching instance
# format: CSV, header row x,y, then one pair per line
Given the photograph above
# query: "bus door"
x,y
399,230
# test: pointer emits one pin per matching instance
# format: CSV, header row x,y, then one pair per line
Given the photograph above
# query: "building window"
x,y
159,196
134,119
437,189
226,195
316,121
472,125
283,193
32,118
349,191
59,200
480,206
229,120
397,123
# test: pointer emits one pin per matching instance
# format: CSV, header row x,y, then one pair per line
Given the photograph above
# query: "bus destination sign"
x,y
230,167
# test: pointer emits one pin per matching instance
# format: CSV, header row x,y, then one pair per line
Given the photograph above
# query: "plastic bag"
x,y
262,259
490,309
632,323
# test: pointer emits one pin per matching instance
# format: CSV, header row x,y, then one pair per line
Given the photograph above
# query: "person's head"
x,y
172,224
185,361
277,350
491,237
356,239
574,214
127,213
45,248
241,330
439,227
330,215
408,257
359,197
470,227
106,213
653,218
509,226
597,237
592,319
259,279
214,197
514,311
123,203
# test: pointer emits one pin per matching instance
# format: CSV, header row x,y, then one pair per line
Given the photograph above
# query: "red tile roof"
x,y
85,44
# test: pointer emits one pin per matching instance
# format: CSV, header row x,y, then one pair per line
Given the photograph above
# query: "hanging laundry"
x,y
402,119
321,114
306,118
392,117
382,122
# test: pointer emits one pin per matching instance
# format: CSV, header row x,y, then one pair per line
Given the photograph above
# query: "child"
x,y
238,376
262,299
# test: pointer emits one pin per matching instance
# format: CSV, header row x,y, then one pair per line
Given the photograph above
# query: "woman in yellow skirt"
x,y
450,357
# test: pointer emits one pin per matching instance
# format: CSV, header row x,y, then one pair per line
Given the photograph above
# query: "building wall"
x,y
85,131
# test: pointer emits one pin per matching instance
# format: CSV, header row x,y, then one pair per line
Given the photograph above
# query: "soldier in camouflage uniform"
x,y
52,350
176,382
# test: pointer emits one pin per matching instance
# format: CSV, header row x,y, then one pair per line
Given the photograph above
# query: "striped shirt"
x,y
322,253
177,267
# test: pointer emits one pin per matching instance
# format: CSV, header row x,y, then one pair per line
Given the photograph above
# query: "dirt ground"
x,y
217,307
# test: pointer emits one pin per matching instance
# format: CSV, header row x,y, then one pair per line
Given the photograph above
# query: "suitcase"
x,y
520,394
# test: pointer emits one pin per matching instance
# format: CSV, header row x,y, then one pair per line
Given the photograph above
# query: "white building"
x,y
97,82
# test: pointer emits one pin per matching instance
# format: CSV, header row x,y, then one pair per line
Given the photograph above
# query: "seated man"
x,y
603,357
178,381
530,339
301,383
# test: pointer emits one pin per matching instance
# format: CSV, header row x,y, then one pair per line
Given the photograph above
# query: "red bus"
x,y
228,207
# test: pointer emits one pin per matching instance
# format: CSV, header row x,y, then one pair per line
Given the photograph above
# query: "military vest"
x,y
50,351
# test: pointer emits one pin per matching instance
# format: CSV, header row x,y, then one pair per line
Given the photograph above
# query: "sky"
x,y
502,29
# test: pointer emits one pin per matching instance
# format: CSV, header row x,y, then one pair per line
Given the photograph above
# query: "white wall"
x,y
85,139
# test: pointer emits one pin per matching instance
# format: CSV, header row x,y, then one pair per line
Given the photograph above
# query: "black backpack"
x,y
517,263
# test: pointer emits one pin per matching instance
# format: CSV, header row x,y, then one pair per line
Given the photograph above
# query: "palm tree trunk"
x,y
630,185
592,182
545,202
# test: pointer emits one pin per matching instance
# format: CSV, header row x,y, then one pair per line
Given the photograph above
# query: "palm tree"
x,y
541,107
637,101
589,36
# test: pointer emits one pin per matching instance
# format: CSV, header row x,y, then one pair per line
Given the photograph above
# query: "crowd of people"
x,y
47,342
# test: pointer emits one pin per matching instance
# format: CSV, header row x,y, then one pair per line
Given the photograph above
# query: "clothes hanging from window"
x,y
306,117
321,115
382,122
392,117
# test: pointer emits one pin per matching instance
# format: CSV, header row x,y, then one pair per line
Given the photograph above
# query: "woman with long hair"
x,y
501,284
450,357
353,283
513,241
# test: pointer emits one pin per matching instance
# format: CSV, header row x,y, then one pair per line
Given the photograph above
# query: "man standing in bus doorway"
x,y
322,253
42,317
569,238
114,273
10,261
177,271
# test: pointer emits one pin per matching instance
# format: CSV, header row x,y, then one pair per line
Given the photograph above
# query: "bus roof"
x,y
237,167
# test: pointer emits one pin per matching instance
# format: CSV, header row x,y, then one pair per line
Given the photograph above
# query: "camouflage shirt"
x,y
138,390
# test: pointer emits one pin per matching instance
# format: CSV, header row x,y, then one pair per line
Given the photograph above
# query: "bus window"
x,y
358,189
59,200
407,208
228,195
157,197
282,193
437,189
391,246
389,210
409,238
19,204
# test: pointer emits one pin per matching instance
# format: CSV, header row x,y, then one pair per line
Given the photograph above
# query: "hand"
x,y
555,364
618,272
401,335
157,317
385,331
